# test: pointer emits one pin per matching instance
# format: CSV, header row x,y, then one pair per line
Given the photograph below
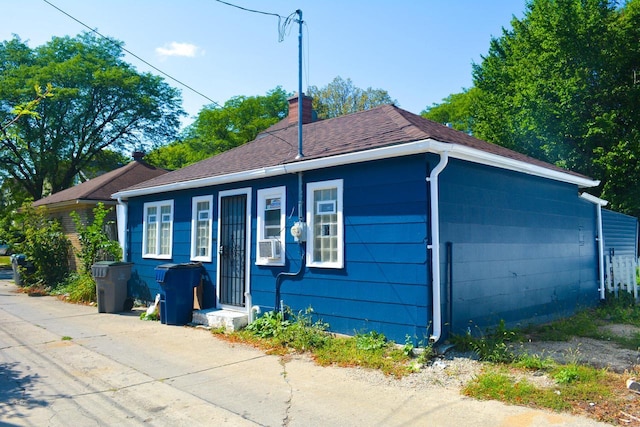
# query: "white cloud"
x,y
179,49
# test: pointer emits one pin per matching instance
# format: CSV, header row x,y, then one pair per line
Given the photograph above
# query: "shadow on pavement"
x,y
15,388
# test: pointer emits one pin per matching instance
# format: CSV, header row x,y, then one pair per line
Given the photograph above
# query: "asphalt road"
x,y
68,365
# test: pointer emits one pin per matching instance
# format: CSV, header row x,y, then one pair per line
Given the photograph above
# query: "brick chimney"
x,y
307,113
137,155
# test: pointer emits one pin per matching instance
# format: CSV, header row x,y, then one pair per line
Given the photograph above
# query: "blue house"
x,y
378,220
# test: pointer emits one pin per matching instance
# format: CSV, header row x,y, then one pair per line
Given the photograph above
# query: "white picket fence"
x,y
620,274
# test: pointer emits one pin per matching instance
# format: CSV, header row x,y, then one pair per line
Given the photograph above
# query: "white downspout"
x,y
435,246
599,204
122,218
600,251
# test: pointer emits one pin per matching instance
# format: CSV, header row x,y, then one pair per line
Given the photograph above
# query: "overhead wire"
x,y
284,26
134,55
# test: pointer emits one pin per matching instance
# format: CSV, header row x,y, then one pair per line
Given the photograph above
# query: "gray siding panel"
x,y
523,248
620,233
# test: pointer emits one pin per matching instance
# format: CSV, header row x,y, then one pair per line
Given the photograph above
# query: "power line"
x,y
248,10
134,55
282,27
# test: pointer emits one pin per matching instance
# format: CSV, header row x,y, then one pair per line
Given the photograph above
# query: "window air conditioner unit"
x,y
269,248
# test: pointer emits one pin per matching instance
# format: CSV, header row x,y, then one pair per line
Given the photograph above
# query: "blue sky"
x,y
420,51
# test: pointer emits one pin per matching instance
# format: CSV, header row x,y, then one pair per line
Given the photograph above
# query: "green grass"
x,y
498,384
583,324
574,385
5,261
389,359
588,323
285,333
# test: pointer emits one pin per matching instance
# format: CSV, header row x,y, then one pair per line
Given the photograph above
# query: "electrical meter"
x,y
299,231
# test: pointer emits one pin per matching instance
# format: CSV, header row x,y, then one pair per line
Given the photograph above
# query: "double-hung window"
x,y
157,239
271,226
201,220
325,237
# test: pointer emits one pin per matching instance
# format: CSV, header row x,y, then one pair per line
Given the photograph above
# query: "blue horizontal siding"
x,y
384,283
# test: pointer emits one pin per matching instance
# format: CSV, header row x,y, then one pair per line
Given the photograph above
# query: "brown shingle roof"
x,y
379,127
102,187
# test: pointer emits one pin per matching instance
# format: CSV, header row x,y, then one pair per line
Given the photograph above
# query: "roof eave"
x,y
428,145
74,202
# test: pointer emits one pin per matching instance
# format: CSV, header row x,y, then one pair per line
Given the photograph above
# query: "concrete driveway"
x,y
63,364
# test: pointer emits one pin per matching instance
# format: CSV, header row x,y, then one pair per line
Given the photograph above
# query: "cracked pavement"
x,y
119,370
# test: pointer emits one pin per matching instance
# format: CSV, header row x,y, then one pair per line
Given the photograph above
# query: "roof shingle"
x,y
379,127
102,187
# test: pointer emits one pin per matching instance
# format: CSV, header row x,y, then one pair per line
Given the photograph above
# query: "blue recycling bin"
x,y
177,282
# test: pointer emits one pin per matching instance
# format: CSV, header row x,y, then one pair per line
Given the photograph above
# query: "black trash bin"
x,y
17,261
111,284
177,282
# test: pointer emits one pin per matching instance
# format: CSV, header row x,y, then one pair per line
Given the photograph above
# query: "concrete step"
x,y
216,318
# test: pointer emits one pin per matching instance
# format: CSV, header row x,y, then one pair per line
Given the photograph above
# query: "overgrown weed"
x,y
77,288
285,332
577,387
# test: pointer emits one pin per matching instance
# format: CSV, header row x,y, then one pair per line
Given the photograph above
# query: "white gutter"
x,y
436,300
122,220
429,145
599,204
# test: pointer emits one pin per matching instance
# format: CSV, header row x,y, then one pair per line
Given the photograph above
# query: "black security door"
x,y
232,249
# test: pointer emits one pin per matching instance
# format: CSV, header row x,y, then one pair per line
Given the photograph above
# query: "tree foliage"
x,y
456,110
218,129
342,97
560,86
99,101
95,245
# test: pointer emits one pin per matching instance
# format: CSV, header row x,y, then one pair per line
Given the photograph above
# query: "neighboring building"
x,y
620,234
620,245
388,203
84,197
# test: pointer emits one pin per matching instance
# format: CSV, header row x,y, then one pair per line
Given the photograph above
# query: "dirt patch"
x,y
454,370
602,353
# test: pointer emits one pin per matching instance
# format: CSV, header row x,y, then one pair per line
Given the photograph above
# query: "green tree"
x,y
559,86
342,97
99,102
456,110
12,194
218,129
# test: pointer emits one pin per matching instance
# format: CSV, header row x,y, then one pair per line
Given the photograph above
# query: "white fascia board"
x,y
398,150
482,157
594,199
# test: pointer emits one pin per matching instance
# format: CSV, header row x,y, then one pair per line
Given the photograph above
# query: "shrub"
x,y
494,346
94,242
45,246
296,331
79,287
370,341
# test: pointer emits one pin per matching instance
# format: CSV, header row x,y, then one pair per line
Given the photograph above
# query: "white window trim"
x,y
194,227
145,251
311,187
263,195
